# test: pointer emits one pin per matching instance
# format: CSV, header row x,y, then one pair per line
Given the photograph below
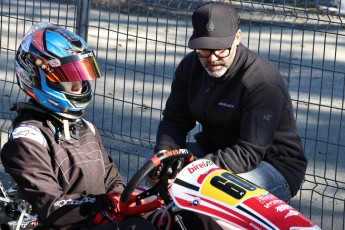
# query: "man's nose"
x,y
212,57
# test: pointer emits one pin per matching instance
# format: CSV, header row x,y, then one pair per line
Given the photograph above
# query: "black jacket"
x,y
65,181
246,116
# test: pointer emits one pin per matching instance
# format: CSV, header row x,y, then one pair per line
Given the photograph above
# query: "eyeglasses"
x,y
218,53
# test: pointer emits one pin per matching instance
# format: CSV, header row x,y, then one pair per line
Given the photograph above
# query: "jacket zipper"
x,y
207,97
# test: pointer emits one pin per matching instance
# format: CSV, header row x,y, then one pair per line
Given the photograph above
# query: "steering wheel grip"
x,y
127,210
157,159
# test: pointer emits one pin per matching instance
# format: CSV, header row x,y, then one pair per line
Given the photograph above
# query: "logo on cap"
x,y
209,26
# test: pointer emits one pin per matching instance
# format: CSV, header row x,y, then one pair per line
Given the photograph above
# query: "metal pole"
x,y
82,22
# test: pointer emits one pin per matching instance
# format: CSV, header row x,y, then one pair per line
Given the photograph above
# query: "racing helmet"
x,y
49,59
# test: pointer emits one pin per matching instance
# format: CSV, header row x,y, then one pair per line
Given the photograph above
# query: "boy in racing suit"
x,y
53,154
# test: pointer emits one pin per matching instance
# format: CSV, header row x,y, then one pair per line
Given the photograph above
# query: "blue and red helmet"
x,y
49,55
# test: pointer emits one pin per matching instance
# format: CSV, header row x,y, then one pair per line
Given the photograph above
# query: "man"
x,y
54,155
241,103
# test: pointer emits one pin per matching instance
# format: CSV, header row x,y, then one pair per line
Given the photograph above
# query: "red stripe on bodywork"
x,y
235,218
276,210
202,177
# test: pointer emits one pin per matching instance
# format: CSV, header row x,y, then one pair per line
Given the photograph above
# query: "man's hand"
x,y
169,169
151,177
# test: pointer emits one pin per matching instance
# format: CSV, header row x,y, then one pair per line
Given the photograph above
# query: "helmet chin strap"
x,y
66,129
66,122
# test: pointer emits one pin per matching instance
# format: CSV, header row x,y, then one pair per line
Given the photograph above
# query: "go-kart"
x,y
200,186
183,183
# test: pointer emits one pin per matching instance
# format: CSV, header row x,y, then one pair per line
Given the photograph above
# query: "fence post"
x,y
82,22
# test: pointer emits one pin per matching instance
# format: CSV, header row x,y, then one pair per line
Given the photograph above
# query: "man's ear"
x,y
238,37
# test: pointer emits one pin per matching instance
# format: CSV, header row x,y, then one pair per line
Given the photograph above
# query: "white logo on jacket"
x,y
30,132
61,203
223,104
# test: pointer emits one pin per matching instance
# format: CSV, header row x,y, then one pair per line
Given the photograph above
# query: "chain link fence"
x,y
139,44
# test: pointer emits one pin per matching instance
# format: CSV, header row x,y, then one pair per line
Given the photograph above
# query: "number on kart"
x,y
228,187
244,184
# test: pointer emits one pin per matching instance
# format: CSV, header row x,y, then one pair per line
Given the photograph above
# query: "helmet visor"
x,y
78,67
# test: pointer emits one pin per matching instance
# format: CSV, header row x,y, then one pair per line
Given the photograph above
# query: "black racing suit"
x,y
64,180
246,116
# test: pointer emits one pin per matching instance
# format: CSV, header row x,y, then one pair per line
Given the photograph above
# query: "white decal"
x,y
30,132
273,203
282,208
54,62
23,74
265,197
87,55
291,213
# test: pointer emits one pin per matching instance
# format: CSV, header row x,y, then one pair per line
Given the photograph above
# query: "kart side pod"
x,y
203,187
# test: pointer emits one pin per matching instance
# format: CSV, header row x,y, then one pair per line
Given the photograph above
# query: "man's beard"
x,y
217,73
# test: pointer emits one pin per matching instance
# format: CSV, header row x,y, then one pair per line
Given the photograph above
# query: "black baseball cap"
x,y
215,25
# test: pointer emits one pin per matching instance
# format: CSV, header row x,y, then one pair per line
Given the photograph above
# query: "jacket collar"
x,y
237,65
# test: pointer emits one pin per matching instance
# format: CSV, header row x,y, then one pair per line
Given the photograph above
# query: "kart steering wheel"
x,y
126,199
